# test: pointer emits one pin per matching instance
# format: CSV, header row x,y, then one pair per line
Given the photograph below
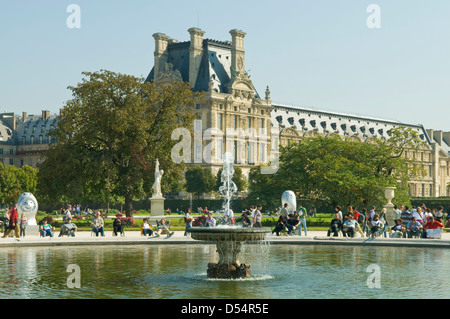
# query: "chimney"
x,y
24,116
161,42
195,53
438,137
430,133
45,115
446,137
237,50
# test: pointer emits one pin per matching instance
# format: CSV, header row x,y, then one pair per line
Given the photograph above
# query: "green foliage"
x,y
341,171
199,180
14,181
109,137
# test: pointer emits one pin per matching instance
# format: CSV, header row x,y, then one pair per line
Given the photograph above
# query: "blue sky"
x,y
317,53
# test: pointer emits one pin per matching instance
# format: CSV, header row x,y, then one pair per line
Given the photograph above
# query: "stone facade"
x,y
233,106
26,138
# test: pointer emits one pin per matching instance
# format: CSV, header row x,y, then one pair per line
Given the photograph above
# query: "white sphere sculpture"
x,y
28,204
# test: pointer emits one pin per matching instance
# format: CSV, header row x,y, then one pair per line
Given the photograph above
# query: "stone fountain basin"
x,y
239,234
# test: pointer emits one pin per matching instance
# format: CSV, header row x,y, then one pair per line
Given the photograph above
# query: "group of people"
x,y
249,218
12,223
418,221
415,222
291,221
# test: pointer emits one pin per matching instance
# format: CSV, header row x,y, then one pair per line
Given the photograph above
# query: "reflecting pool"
x,y
179,271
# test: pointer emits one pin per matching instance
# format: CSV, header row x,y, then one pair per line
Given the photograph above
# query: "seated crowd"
x,y
418,222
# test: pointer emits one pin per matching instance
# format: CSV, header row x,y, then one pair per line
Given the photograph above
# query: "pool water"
x,y
179,272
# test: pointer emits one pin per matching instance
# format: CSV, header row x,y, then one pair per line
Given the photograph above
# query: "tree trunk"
x,y
128,202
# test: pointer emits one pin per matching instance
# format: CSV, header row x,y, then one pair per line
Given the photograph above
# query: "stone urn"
x,y
389,194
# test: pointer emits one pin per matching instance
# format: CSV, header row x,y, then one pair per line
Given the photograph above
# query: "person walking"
x,y
13,222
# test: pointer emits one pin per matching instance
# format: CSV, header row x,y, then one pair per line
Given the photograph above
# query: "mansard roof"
x,y
215,64
6,133
311,119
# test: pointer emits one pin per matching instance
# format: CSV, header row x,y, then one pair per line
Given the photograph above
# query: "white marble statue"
x,y
157,184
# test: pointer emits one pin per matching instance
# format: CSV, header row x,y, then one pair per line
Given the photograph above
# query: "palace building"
x,y
237,117
233,104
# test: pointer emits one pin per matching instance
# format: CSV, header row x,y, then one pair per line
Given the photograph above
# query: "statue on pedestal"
x,y
157,184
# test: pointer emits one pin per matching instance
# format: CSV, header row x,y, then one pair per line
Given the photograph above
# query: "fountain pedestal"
x,y
228,241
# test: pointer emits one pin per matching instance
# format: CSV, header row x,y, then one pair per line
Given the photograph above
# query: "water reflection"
x,y
179,271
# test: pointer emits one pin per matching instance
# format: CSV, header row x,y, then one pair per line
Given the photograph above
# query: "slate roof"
x,y
215,64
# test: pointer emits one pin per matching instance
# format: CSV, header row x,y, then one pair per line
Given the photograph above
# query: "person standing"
x,y
22,224
187,220
338,211
257,218
302,219
284,211
397,213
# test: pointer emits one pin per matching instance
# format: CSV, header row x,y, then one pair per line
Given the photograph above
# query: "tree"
x,y
111,133
15,181
341,171
199,180
238,178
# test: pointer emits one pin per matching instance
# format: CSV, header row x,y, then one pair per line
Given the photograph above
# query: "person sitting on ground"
x,y
68,228
280,226
335,226
46,229
163,228
414,228
146,228
432,224
118,224
292,222
98,225
210,221
349,226
398,229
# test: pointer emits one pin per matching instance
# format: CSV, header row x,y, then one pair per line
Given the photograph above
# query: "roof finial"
x,y
267,94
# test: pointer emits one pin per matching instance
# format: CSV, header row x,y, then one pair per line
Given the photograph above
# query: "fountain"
x,y
228,239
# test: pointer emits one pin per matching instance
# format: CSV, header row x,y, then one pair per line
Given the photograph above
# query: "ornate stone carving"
x,y
168,74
